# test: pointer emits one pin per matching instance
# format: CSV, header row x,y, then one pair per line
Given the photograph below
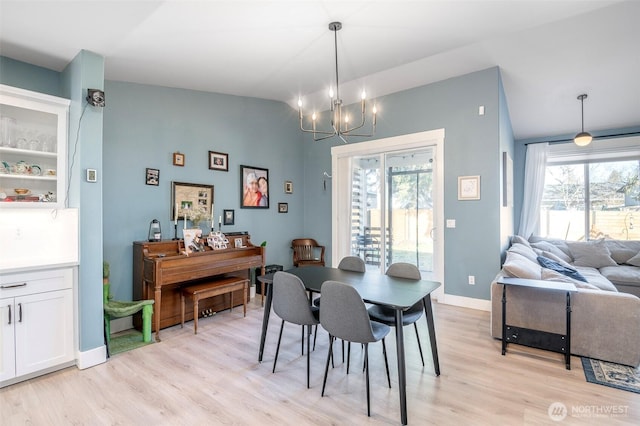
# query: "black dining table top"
x,y
396,293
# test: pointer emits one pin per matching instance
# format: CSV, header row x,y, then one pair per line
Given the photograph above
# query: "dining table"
x,y
399,294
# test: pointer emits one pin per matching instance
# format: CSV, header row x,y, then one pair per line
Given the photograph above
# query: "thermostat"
x,y
92,175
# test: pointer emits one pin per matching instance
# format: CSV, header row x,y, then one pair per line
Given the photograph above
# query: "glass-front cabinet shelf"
x,y
33,148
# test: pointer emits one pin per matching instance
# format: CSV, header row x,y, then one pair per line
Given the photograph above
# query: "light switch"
x,y
451,223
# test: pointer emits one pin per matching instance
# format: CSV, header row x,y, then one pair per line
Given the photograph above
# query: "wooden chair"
x,y
307,252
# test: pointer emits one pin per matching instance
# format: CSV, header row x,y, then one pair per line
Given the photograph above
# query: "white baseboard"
x,y
465,302
91,357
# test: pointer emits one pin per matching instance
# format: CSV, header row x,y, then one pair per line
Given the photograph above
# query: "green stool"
x,y
116,309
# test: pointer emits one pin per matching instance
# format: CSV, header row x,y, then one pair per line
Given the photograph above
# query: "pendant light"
x,y
583,138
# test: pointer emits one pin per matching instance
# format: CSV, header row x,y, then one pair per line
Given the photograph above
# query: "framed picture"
x,y
288,187
229,217
237,243
178,159
152,177
254,188
468,187
192,201
283,208
218,161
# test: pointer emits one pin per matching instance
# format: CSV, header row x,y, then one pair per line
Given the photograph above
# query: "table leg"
x,y
402,373
265,320
504,319
428,308
567,352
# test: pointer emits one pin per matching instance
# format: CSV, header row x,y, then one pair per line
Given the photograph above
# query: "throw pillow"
x,y
552,248
564,270
635,260
526,251
591,253
517,239
555,258
518,266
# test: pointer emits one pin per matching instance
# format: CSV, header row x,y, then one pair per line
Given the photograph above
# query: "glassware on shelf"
x,y
8,132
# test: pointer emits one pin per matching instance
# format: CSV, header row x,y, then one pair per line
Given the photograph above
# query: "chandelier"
x,y
340,119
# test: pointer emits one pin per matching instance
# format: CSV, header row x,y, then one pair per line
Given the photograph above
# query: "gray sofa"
x,y
605,321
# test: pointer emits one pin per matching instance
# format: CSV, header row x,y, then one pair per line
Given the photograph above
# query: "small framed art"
x,y
229,217
178,159
468,187
283,208
152,177
218,161
288,187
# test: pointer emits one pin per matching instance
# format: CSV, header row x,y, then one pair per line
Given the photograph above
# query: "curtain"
x,y
534,171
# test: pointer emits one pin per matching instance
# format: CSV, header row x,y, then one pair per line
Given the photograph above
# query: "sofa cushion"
x,y
622,274
634,261
623,250
557,267
551,275
594,277
591,253
552,248
518,266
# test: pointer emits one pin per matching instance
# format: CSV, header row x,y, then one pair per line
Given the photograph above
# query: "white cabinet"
x,y
33,148
36,330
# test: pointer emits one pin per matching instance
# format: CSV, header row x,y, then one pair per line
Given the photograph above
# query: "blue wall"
x,y
145,125
29,77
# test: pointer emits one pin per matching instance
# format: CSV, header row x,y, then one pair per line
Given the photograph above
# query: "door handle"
x,y
431,233
14,285
9,306
19,312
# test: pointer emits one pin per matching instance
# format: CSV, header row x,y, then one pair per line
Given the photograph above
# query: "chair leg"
x,y
419,345
308,353
348,355
343,351
326,368
386,362
366,361
315,335
302,342
275,360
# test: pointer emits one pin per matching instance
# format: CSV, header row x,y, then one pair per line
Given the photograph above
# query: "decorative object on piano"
x,y
238,243
152,177
191,201
155,233
254,187
218,161
229,217
217,241
193,241
178,159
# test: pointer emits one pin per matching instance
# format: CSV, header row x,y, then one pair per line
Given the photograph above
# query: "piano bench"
x,y
210,289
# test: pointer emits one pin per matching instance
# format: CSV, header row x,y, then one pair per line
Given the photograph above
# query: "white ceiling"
x,y
549,51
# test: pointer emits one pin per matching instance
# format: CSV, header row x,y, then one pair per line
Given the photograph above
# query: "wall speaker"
x,y
95,97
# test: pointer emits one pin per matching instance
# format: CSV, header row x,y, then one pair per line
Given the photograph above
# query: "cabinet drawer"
x,y
13,285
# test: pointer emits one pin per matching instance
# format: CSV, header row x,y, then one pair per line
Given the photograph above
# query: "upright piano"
x,y
161,268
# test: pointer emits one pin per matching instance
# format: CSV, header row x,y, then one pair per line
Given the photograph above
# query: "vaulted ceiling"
x,y
549,52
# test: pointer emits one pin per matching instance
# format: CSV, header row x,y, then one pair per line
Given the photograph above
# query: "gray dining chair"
x,y
348,263
344,315
386,315
291,304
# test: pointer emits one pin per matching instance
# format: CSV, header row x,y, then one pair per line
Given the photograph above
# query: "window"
x,y
591,195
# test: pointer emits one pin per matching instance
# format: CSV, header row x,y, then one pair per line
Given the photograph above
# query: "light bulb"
x,y
299,103
313,116
364,94
331,92
375,109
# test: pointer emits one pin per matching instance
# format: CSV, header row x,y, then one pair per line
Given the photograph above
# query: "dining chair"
x,y
291,304
344,315
386,315
307,252
347,263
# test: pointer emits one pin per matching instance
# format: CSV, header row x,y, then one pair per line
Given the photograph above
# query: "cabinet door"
x,y
44,330
7,351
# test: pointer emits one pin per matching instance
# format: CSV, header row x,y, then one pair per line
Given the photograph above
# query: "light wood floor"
x,y
214,378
